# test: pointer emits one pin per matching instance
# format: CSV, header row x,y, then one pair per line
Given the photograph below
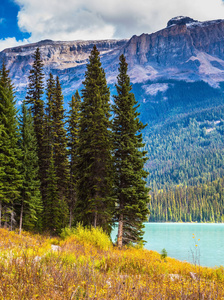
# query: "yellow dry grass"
x,y
87,266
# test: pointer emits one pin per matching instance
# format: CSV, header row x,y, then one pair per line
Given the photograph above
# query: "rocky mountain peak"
x,y
181,20
186,50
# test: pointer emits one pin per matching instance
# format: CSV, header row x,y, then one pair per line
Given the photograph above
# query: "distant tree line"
x,y
201,203
58,168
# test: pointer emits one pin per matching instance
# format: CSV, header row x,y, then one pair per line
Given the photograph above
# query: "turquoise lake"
x,y
177,239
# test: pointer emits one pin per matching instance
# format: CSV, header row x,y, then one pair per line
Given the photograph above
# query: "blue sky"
x,y
26,21
8,21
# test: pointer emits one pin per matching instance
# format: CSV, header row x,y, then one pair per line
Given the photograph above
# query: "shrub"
x,y
94,236
163,254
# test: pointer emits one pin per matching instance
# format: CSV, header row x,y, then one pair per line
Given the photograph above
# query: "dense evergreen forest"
x,y
186,152
186,167
201,203
61,168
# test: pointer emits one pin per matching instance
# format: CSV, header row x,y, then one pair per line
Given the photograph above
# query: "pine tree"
x,y
34,95
95,202
34,99
9,149
131,192
30,205
52,209
60,143
2,167
73,143
47,144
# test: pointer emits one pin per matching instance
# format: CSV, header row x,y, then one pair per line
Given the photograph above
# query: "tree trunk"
x,y
21,219
70,218
95,219
120,231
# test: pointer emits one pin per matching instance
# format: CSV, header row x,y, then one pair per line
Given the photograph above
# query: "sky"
x,y
28,21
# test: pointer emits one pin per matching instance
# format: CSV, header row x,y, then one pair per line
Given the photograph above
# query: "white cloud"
x,y
98,19
19,103
11,42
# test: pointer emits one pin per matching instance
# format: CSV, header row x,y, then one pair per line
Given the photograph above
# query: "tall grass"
x,y
87,268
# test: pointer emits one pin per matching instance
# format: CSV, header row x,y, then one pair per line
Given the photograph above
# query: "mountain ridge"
x,y
186,50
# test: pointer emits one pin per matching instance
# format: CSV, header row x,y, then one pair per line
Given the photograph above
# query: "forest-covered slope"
x,y
184,136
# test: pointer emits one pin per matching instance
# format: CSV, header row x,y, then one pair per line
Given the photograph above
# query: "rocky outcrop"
x,y
186,50
176,44
60,58
180,21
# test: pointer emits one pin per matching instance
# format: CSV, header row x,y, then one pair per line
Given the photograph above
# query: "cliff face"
x,y
177,43
186,50
66,59
185,46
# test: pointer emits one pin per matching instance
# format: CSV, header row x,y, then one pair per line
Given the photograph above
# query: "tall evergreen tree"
x,y
60,143
55,211
34,99
2,167
34,95
47,145
9,149
131,192
95,202
73,143
30,204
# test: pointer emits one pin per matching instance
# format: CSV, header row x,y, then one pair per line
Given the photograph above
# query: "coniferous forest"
x,y
186,169
89,164
59,168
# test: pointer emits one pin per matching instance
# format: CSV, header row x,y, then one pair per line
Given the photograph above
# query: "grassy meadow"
x,y
84,264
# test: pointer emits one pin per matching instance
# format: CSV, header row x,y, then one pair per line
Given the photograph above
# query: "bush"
x,y
163,254
94,236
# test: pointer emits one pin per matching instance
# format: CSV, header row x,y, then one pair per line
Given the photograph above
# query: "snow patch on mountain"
x,y
140,74
153,89
207,66
204,24
180,20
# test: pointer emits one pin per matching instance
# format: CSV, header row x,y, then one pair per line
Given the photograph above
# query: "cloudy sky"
x,y
26,21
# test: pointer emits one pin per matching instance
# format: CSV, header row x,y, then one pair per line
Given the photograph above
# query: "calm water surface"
x,y
177,239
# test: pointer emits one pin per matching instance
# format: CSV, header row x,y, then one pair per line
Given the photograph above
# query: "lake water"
x,y
177,239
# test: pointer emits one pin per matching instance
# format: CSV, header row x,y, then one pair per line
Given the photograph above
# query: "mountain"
x,y
65,59
177,75
186,50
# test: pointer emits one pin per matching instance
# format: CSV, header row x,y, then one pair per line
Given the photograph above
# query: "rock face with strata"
x,y
177,43
66,59
186,50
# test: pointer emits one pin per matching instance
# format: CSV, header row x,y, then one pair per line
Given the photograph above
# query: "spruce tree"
x,y
52,209
34,95
30,204
60,143
95,202
34,99
47,145
10,153
130,188
2,167
73,143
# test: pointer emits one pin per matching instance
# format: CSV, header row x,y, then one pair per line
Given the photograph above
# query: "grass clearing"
x,y
87,266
